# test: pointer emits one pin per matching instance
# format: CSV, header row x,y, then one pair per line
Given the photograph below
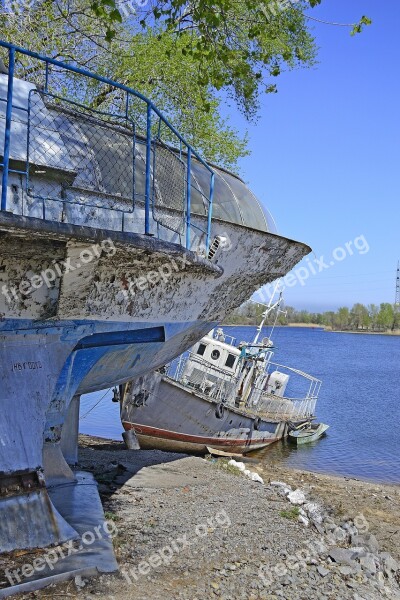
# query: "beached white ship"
x,y
120,247
219,396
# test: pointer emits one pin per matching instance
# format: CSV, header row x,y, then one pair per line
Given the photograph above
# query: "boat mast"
x,y
269,308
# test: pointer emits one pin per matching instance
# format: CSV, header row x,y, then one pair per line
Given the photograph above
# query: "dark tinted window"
x,y
201,349
230,361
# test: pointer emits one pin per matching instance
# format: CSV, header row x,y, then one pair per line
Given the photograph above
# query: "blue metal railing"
x,y
7,136
184,147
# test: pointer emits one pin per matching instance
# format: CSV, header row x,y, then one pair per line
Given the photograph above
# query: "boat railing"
x,y
207,380
78,156
288,407
221,336
259,352
314,384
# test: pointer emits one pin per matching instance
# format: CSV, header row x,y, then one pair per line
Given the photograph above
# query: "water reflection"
x,y
288,453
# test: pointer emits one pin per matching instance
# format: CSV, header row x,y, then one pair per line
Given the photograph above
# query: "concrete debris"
x,y
239,465
389,564
315,512
297,497
358,551
256,477
79,582
250,474
342,556
367,540
280,484
368,563
304,520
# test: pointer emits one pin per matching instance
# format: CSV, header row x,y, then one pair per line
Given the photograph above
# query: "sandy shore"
x,y
192,528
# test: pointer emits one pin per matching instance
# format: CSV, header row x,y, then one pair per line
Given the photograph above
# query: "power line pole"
x,y
397,298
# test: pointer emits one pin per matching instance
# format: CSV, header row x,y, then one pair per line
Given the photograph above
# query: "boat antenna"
x,y
276,317
269,307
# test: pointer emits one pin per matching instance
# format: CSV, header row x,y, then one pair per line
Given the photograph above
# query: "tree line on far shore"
x,y
383,317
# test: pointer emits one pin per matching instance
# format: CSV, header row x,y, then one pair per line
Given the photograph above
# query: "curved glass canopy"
x,y
233,200
111,159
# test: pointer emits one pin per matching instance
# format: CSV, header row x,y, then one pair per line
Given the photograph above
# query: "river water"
x,y
359,399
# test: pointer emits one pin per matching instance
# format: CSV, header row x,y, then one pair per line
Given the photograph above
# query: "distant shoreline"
x,y
390,333
316,326
307,325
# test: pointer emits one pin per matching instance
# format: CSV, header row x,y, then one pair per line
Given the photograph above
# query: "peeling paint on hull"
x,y
77,334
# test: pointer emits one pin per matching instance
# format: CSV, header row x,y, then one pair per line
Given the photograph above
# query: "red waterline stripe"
x,y
195,439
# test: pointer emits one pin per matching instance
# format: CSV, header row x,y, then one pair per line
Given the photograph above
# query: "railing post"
x,y
188,197
210,207
7,135
46,79
148,161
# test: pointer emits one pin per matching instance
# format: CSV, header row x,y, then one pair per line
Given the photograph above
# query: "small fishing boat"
x,y
220,396
307,432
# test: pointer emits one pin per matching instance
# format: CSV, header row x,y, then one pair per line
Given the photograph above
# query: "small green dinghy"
x,y
307,432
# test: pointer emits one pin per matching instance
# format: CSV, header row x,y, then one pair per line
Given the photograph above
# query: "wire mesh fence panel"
x,y
78,148
72,137
169,187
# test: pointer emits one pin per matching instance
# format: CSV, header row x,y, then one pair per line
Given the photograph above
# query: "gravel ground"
x,y
190,528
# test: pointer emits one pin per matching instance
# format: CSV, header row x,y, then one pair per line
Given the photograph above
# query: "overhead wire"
x,y
96,404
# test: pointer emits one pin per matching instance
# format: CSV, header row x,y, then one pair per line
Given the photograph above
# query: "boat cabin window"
x,y
215,354
201,349
230,361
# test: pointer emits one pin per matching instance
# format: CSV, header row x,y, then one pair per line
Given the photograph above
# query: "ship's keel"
x,y
43,502
30,364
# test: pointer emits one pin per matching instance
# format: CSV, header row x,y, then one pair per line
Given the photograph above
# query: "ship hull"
x,y
134,306
151,438
177,420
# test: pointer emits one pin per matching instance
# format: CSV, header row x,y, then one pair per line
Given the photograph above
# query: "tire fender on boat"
x,y
219,411
256,423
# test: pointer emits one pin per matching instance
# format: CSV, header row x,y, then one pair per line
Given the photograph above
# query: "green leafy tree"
x,y
329,319
385,317
373,311
154,64
359,316
379,318
181,54
396,319
240,45
150,61
343,317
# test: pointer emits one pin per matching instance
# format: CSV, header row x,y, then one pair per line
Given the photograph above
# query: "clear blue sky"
x,y
326,155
